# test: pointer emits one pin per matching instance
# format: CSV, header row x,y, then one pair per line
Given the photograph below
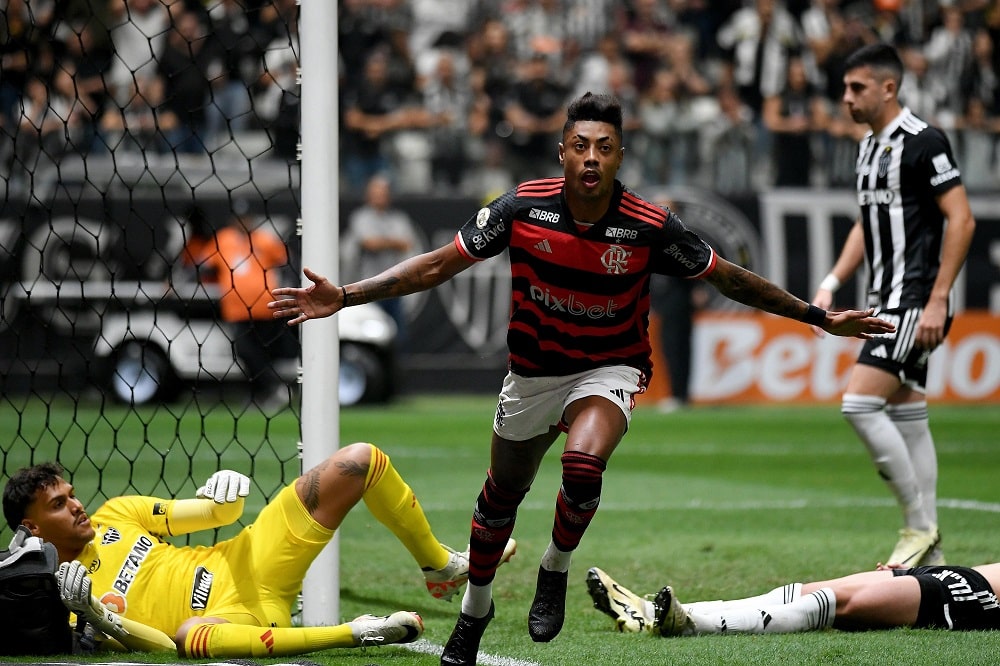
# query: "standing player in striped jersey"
x,y
913,234
582,248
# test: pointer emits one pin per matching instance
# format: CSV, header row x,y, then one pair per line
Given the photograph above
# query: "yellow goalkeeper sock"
x,y
242,640
393,503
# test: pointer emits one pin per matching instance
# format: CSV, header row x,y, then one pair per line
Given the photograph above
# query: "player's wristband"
x,y
814,316
830,283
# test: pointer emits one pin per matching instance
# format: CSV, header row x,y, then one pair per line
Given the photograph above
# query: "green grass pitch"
x,y
717,501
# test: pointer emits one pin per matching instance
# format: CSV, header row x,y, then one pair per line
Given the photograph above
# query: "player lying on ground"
x,y
930,597
232,599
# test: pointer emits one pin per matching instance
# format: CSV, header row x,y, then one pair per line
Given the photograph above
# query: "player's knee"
x,y
358,453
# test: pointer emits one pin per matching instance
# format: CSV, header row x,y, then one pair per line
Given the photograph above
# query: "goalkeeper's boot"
x,y
374,630
548,610
630,612
463,644
913,545
671,618
445,582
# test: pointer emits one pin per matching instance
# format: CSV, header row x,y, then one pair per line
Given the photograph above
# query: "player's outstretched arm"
x,y
746,287
323,298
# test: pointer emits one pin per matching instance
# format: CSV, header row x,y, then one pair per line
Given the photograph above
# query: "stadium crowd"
x,y
467,95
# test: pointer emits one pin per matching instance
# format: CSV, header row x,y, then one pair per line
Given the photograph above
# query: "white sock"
x,y
912,422
477,599
556,560
810,612
889,453
785,594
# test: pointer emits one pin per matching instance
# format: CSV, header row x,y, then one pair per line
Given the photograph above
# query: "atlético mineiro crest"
x,y
883,161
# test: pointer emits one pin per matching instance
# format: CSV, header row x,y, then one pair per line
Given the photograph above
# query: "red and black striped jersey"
x,y
580,295
900,173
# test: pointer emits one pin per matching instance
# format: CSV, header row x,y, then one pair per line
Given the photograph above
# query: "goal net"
x,y
149,181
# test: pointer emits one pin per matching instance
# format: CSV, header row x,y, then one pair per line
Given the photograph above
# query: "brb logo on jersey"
x,y
615,260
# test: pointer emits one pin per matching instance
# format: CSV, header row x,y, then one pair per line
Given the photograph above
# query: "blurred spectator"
x,y
373,113
757,41
44,127
842,137
135,120
949,59
728,145
494,64
981,80
537,27
589,21
918,91
231,105
594,69
433,19
977,148
82,109
669,129
380,236
795,116
536,115
84,58
659,109
19,38
248,261
190,62
276,96
138,30
456,116
647,26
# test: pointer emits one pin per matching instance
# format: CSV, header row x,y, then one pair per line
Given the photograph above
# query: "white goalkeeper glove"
x,y
74,590
225,486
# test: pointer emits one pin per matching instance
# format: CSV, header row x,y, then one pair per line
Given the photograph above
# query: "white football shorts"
x,y
529,406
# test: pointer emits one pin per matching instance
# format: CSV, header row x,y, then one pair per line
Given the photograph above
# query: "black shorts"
x,y
956,598
895,352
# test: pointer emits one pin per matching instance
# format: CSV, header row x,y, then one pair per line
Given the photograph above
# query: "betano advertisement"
x,y
752,358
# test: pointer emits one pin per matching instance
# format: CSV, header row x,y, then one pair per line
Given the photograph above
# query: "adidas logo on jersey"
x,y
544,246
880,352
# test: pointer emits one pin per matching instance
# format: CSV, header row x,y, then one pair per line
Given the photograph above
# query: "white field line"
x,y
751,505
483,659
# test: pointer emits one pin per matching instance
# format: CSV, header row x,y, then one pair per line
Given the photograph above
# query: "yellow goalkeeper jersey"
x,y
135,573
252,578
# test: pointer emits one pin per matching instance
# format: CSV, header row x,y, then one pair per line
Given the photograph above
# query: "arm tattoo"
x,y
748,288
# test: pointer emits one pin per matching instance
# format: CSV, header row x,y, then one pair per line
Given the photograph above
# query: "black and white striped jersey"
x,y
900,172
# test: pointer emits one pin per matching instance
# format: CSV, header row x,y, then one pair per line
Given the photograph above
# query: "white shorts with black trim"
x,y
529,406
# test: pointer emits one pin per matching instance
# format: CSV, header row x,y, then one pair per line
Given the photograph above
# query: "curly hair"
x,y
22,486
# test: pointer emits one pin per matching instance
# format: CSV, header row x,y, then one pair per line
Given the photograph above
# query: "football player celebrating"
x,y
232,599
582,248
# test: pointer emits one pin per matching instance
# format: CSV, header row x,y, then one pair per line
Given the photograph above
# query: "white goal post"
x,y
318,147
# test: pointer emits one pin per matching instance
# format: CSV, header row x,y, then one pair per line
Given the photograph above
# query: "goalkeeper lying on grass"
x,y
232,599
